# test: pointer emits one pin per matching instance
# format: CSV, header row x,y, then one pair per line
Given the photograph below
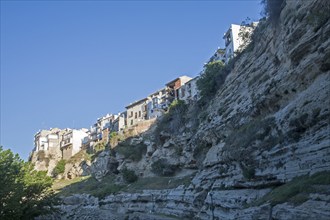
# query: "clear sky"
x,y
66,63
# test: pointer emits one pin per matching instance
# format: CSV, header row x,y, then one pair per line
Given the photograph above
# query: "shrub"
x,y
59,168
211,79
161,167
99,147
93,187
133,152
129,175
255,134
172,121
113,134
115,138
296,191
245,34
248,171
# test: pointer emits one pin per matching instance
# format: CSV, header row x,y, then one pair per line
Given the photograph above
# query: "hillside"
x,y
258,149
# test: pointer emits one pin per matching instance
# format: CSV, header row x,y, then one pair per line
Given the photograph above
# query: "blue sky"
x,y
66,63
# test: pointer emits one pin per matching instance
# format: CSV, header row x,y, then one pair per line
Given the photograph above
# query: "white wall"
x,y
189,91
77,137
236,41
43,143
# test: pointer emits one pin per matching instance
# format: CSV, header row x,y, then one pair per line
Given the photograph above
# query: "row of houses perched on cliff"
x,y
67,141
70,141
143,110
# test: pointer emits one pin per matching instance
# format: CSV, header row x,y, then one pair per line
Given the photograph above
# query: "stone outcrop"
x,y
104,164
76,169
268,124
45,160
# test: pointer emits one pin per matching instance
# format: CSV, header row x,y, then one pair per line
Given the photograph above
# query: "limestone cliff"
x,y
268,124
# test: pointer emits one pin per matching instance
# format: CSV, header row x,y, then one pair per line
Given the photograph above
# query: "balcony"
x,y
66,142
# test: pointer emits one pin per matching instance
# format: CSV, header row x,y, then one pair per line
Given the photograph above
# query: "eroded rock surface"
x,y
268,124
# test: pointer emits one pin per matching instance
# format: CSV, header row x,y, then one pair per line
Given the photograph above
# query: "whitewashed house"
x,y
119,122
157,104
172,88
189,91
219,55
72,142
46,138
233,39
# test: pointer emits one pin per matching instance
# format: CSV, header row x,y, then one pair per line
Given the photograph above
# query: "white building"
x,y
172,87
119,122
189,91
45,139
72,141
94,132
233,40
157,104
105,121
219,55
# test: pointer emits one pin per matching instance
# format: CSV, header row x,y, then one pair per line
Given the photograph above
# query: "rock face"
x,y
268,124
76,169
45,160
103,165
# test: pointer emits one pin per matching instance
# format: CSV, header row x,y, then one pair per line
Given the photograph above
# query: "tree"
x,y
245,34
129,175
211,79
24,193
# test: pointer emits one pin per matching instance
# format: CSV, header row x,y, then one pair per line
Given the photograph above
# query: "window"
x,y
228,40
135,114
131,114
182,92
131,122
139,114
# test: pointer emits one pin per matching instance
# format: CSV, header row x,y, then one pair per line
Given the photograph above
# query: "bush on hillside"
x,y
172,121
161,167
59,168
129,175
99,147
129,151
211,79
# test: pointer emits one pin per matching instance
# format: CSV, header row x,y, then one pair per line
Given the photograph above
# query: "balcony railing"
x,y
66,142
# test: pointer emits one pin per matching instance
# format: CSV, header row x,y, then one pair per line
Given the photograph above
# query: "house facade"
x,y
72,142
104,126
233,40
189,91
157,104
45,139
219,55
120,122
172,88
136,112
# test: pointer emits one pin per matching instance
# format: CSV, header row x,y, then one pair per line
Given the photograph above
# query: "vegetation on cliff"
x,y
24,192
59,168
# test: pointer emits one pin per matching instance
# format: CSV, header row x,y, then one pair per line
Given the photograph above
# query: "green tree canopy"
x,y
24,192
212,77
